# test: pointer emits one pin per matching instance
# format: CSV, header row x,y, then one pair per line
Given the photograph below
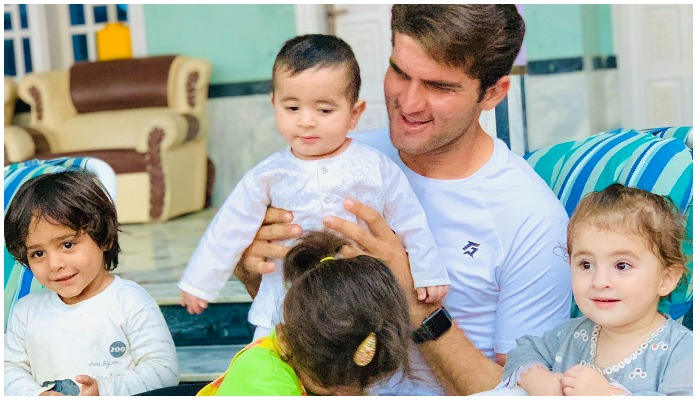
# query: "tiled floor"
x,y
158,252
155,254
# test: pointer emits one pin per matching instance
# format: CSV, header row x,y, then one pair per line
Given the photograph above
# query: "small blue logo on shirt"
x,y
471,248
117,349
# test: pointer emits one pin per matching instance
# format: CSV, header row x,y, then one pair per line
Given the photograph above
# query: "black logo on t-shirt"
x,y
471,248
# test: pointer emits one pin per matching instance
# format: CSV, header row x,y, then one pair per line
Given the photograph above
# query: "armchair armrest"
x,y
19,145
48,94
171,130
188,84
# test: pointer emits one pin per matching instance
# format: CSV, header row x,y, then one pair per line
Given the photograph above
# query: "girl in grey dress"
x,y
624,247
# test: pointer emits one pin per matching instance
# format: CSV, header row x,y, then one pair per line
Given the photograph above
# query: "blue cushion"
x,y
656,160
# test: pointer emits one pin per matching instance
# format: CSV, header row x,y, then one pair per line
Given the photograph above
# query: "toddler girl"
x,y
346,326
624,247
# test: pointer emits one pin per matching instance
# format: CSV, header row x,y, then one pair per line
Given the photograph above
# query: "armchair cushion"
x,y
120,84
657,161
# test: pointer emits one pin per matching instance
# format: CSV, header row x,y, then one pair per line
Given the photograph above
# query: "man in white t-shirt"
x,y
498,227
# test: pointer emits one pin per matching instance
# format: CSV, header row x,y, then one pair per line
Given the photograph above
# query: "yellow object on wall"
x,y
113,42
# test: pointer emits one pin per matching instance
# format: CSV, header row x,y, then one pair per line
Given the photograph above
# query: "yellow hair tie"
x,y
329,258
365,351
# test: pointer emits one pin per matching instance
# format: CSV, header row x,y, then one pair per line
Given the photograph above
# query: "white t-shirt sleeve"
x,y
152,348
230,232
535,280
18,373
405,215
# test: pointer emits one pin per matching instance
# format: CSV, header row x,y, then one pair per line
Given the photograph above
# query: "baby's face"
x,y
616,279
313,111
67,262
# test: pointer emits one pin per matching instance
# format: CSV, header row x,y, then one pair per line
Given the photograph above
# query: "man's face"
x,y
430,105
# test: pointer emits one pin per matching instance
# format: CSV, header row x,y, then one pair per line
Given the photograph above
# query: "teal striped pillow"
x,y
656,160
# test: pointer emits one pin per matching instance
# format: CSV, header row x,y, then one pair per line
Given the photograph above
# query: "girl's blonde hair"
x,y
653,218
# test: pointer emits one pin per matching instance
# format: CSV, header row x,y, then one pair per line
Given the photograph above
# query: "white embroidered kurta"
x,y
311,189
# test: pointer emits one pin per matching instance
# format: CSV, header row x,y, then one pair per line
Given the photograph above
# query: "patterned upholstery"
x,y
19,281
657,160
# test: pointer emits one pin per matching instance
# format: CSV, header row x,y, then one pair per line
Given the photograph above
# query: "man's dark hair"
x,y
332,306
73,198
481,39
318,51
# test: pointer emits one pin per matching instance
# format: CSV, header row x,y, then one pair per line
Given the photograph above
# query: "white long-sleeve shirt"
x,y
311,189
119,337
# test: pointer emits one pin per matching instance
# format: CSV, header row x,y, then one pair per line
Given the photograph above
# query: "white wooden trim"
x,y
38,34
310,18
137,27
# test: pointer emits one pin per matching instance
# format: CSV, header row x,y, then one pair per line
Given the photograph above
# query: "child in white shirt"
x,y
89,333
316,82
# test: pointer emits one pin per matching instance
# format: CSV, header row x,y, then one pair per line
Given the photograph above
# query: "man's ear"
x,y
669,279
495,94
272,98
357,111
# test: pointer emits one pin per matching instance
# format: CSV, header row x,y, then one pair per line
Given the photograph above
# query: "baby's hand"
x,y
88,385
432,294
51,393
539,381
582,380
192,303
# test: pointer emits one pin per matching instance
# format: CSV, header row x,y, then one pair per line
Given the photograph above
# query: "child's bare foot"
x,y
192,303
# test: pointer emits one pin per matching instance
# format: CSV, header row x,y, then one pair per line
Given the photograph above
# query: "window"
x,y
41,37
18,43
85,20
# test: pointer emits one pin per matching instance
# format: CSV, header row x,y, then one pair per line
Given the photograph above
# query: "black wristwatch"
x,y
433,326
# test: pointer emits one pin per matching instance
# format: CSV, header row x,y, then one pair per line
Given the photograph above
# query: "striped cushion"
x,y
19,281
656,160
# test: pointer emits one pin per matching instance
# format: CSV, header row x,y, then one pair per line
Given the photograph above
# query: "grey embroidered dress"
x,y
661,365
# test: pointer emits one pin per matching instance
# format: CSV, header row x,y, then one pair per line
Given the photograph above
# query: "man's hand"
x,y
192,303
539,381
380,242
89,385
582,380
256,259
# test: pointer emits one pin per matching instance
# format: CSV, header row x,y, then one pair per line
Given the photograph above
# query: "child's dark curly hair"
x,y
73,198
332,306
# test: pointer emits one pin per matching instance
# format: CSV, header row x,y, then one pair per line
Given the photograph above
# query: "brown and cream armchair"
x,y
145,117
19,145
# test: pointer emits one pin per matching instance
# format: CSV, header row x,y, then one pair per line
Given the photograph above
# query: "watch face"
x,y
438,322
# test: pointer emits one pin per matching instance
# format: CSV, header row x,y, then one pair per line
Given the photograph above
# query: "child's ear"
x,y
357,111
669,279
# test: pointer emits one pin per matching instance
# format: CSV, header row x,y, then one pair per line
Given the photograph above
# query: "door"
x,y
655,63
367,30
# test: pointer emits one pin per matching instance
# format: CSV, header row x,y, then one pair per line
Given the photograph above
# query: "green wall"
x,y
241,41
567,30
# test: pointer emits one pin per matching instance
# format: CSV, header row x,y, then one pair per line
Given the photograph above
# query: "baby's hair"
x,y
318,51
653,218
331,308
73,198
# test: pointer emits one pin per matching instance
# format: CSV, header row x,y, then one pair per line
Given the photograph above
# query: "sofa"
x,y
145,117
19,145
